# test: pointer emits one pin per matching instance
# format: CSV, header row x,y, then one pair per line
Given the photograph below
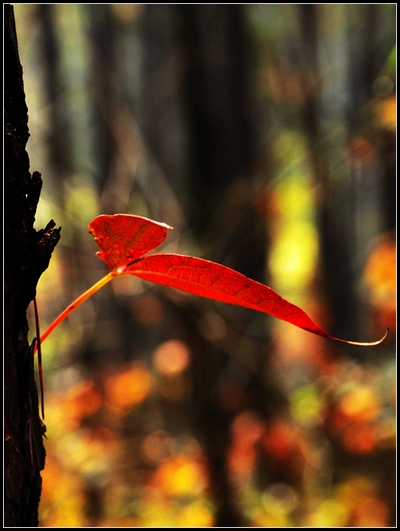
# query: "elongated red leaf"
x,y
123,238
220,283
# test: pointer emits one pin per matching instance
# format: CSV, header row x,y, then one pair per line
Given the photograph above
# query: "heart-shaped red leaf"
x,y
123,238
220,283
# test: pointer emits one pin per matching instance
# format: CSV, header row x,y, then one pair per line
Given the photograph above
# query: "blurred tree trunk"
x,y
106,109
105,100
218,106
336,212
27,254
218,188
221,150
58,136
355,206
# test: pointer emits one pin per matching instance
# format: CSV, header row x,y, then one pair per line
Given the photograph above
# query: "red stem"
x,y
77,302
39,350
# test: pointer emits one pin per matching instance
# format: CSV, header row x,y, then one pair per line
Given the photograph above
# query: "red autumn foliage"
x,y
124,239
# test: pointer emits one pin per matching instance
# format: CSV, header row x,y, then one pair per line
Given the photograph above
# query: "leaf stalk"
x,y
77,302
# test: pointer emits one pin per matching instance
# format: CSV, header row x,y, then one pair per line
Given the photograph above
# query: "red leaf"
x,y
123,238
220,283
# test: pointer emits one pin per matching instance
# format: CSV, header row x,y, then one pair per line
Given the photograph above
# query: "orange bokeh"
x,y
171,357
361,403
380,276
247,429
62,496
354,419
360,151
128,388
285,450
358,497
370,511
81,400
359,438
387,111
180,476
279,441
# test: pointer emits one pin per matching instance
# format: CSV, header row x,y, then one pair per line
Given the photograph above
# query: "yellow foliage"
x,y
181,476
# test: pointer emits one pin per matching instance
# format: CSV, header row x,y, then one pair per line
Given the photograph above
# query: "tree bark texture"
x,y
27,255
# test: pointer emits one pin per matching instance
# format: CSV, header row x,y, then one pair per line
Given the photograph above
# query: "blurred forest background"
x,y
265,135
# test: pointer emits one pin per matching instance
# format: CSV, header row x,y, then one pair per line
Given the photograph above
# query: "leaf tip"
x,y
366,343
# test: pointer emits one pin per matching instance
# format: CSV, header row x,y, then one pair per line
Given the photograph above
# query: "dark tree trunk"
x,y
58,136
222,149
200,54
27,254
362,194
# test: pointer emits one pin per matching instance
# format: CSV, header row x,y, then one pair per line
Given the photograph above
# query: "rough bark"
x,y
27,255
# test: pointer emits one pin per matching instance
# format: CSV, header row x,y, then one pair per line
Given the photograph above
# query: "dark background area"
x,y
265,135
